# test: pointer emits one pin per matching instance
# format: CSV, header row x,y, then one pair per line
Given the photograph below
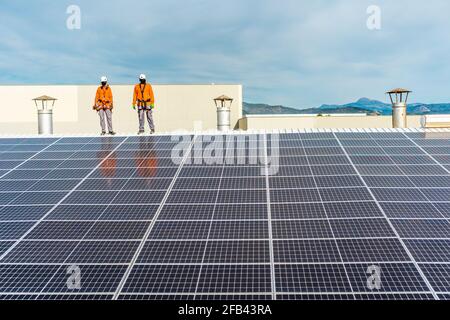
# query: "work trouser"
x,y
105,114
142,113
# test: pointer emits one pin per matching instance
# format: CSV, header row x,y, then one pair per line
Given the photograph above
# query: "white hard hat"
x,y
104,79
142,77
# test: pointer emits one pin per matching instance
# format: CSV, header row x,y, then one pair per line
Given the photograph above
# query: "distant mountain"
x,y
363,105
260,108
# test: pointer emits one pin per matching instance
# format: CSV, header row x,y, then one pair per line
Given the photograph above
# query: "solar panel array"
x,y
346,215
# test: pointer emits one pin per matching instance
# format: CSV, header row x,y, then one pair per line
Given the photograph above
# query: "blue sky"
x,y
300,53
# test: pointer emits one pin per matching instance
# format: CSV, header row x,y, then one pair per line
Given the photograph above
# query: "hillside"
x,y
363,105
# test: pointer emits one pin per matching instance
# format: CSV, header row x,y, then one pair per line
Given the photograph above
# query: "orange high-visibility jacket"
x,y
145,94
103,98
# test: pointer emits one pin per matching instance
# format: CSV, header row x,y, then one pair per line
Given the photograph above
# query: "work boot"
x,y
112,133
152,131
103,133
141,132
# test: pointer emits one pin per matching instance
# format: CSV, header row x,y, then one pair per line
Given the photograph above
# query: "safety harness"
x,y
102,104
142,104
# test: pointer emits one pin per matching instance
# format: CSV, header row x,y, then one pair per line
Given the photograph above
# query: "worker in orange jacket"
x,y
144,99
104,105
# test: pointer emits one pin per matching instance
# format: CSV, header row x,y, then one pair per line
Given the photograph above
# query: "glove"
x,y
152,106
134,107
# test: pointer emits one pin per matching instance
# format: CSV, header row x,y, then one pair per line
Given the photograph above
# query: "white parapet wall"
x,y
178,107
286,122
436,121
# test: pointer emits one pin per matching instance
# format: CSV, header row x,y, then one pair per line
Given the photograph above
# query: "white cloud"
x,y
292,52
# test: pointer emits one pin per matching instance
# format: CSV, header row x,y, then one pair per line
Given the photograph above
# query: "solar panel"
x,y
312,215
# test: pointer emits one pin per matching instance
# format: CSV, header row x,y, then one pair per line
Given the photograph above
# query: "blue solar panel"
x,y
95,279
398,277
319,278
139,219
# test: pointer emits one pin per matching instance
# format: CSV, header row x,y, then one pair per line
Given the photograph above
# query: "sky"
x,y
297,53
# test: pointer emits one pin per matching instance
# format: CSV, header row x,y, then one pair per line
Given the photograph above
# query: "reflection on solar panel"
x,y
290,216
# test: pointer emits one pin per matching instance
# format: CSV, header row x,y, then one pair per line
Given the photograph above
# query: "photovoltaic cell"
x,y
311,278
443,208
170,252
431,182
306,251
389,182
59,230
367,209
39,198
76,212
180,230
257,211
361,228
25,278
16,185
316,297
156,297
302,229
409,210
345,194
34,252
162,279
239,230
54,185
17,213
438,275
217,231
294,195
104,252
430,229
390,194
95,278
371,250
293,211
13,230
133,230
74,297
234,279
4,246
394,297
237,252
429,250
398,277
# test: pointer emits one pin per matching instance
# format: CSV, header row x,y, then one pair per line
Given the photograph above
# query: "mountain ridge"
x,y
362,105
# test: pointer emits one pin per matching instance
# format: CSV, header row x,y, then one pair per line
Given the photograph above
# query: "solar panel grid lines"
x,y
21,163
418,193
50,211
130,267
197,284
269,214
437,162
237,247
422,275
332,231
